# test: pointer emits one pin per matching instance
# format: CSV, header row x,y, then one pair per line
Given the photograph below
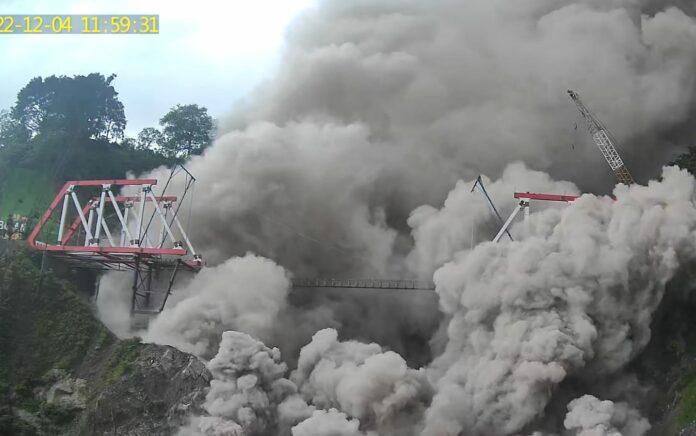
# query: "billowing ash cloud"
x,y
243,294
247,390
356,159
329,422
461,222
588,416
574,298
249,394
379,107
373,386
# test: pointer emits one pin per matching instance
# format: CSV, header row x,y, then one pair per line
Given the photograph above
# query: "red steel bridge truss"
x,y
91,225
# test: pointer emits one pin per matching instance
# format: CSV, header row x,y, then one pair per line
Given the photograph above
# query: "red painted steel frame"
x,y
122,198
143,260
113,250
82,249
119,198
75,224
545,197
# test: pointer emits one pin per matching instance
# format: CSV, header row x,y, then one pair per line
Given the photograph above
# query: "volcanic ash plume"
x,y
242,294
574,298
335,168
466,219
247,388
379,107
331,422
249,394
588,416
360,379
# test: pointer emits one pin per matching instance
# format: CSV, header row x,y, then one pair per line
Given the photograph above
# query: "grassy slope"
x,y
30,174
38,312
25,192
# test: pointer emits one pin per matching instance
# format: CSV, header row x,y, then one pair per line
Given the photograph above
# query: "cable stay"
x,y
479,183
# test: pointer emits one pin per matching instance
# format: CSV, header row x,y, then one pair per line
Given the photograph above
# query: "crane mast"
x,y
601,137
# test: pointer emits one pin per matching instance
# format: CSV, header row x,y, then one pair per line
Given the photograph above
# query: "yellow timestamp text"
x,y
79,24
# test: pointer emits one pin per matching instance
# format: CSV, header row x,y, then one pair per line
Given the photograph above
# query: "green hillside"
x,y
26,192
32,173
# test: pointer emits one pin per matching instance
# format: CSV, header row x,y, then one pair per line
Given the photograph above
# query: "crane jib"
x,y
603,140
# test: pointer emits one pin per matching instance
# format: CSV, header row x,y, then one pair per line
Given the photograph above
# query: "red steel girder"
x,y
113,250
56,201
545,197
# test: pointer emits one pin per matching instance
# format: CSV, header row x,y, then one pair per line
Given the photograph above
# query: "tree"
x,y
11,131
687,160
129,143
149,138
186,129
82,106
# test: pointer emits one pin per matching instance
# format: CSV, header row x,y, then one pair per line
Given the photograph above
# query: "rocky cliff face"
x,y
138,390
152,397
63,373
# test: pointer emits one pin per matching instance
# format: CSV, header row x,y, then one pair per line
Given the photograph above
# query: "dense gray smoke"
x,y
588,416
380,107
329,422
360,379
243,294
439,233
249,394
357,159
574,298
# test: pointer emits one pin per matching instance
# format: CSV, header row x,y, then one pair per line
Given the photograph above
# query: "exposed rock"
x,y
29,418
161,386
53,375
690,430
68,392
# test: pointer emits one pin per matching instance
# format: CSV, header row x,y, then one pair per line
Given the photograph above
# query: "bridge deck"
x,y
363,283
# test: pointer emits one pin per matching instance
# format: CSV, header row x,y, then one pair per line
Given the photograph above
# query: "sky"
x,y
208,52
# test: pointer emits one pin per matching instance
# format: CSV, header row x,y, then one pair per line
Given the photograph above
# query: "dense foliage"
x,y
186,130
80,106
44,324
687,160
66,128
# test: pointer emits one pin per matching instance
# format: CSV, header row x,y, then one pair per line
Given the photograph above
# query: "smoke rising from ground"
x,y
588,416
573,297
244,294
247,390
360,379
357,159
